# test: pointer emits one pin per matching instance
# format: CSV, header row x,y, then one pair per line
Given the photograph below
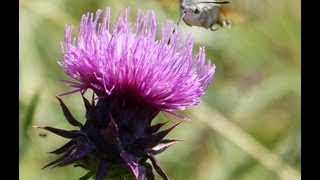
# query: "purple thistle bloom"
x,y
128,59
135,76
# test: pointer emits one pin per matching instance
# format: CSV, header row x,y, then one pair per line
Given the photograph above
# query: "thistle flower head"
x,y
125,59
135,76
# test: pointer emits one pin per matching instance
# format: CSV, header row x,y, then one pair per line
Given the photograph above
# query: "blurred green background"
x,y
248,124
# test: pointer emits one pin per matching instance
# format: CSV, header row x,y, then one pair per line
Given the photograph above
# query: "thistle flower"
x,y
135,76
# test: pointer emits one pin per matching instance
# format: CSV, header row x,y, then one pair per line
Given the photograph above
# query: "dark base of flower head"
x,y
115,142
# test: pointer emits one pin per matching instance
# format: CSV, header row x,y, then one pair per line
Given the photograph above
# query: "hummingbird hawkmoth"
x,y
204,13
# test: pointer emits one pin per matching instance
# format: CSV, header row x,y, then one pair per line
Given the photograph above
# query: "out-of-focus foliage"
x,y
256,90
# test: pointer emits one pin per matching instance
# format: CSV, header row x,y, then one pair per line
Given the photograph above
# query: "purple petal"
x,y
68,114
63,148
154,128
131,162
149,173
152,140
68,152
164,144
90,113
102,170
87,176
158,168
142,173
111,134
81,151
87,103
63,133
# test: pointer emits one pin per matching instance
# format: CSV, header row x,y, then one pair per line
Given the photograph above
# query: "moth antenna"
x,y
217,2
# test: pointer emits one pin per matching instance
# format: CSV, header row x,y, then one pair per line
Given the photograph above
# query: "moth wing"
x,y
168,4
231,15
